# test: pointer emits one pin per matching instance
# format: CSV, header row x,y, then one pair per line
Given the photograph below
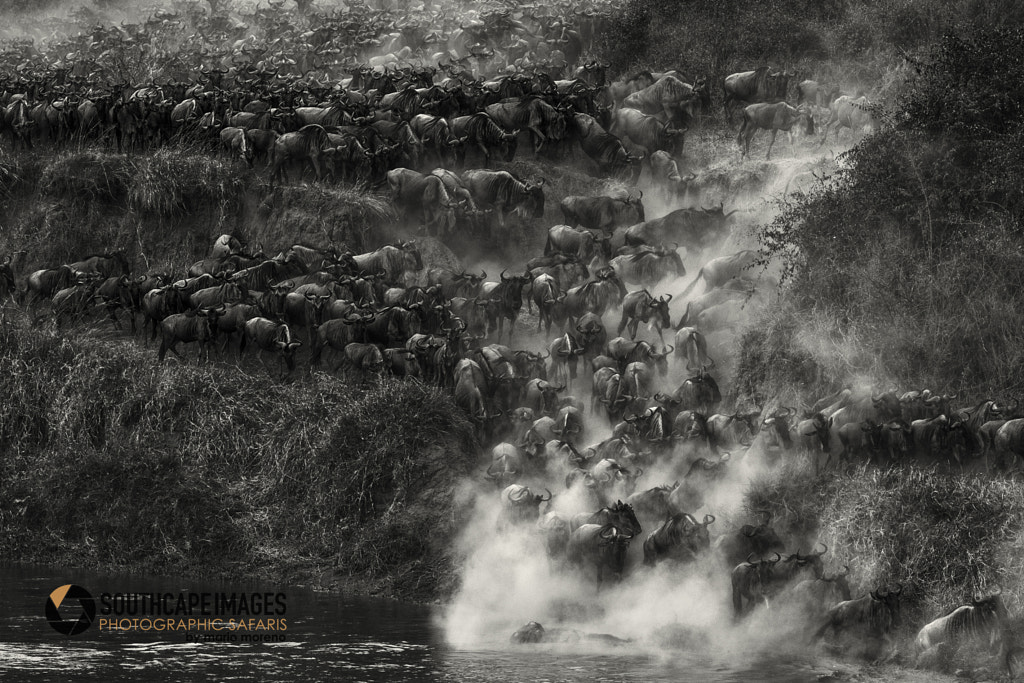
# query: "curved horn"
x,y
542,498
709,519
824,549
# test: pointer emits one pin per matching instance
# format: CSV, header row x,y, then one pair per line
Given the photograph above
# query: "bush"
x,y
88,177
944,537
913,250
175,181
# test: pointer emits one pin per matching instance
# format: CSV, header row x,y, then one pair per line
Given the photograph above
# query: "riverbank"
x,y
114,462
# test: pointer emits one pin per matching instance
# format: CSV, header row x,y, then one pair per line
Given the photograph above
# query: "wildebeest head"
x,y
776,427
707,469
533,207
413,259
991,605
762,538
568,422
890,600
614,546
659,310
811,562
660,358
508,144
760,580
523,504
887,405
549,396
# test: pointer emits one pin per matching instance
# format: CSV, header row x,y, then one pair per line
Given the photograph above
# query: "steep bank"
x,y
111,461
164,209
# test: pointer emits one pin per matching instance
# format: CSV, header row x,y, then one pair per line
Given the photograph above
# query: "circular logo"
x,y
70,609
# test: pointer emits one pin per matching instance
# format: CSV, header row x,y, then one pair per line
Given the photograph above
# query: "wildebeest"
x,y
454,283
393,260
225,246
691,345
679,538
582,244
529,113
818,94
595,296
983,622
648,132
849,112
866,621
699,392
668,97
603,213
730,431
812,598
308,145
649,267
759,85
269,335
621,515
16,119
602,548
759,540
520,505
718,271
666,177
484,134
198,326
533,632
640,307
506,299
889,440
555,528
424,199
752,583
604,149
106,265
503,192
774,117
541,396
236,143
695,229
43,284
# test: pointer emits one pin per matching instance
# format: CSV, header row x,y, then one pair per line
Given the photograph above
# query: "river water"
x,y
329,637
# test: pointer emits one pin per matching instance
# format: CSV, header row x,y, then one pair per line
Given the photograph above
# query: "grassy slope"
x,y
111,460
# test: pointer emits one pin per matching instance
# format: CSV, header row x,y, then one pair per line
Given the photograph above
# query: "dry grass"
x,y
88,177
176,181
944,537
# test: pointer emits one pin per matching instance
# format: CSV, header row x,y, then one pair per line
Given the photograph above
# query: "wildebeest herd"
x,y
438,90
387,122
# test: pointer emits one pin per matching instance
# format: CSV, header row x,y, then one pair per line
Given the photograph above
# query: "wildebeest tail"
x,y
689,288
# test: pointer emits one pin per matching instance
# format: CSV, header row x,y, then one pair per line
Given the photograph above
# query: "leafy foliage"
x,y
916,243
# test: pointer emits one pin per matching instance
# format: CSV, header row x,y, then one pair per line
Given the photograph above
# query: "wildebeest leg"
x,y
112,312
165,347
623,322
538,139
772,142
634,324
